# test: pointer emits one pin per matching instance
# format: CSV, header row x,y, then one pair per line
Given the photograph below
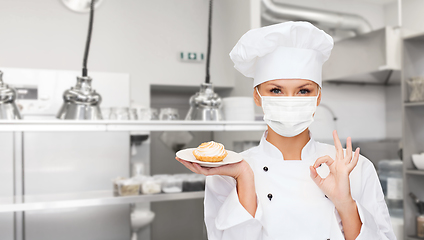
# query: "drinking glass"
x,y
119,113
133,114
169,114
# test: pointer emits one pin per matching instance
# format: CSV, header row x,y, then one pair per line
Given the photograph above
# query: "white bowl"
x,y
141,219
418,160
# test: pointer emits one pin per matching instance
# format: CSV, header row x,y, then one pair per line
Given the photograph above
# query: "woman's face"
x,y
287,88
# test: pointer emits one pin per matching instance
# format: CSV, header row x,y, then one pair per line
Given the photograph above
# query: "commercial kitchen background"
x,y
143,39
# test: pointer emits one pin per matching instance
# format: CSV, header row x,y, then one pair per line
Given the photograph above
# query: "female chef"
x,y
290,186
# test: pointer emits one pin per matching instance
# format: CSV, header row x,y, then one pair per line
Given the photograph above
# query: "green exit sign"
x,y
192,56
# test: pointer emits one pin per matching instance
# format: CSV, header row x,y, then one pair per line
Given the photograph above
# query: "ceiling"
x,y
376,2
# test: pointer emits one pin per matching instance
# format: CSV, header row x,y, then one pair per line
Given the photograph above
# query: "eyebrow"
x,y
304,85
276,85
282,87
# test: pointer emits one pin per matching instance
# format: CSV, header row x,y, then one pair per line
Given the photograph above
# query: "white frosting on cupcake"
x,y
210,149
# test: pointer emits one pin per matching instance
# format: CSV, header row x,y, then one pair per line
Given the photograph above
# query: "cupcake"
x,y
210,152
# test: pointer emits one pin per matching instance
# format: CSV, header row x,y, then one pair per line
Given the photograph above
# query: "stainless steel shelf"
x,y
414,36
412,57
85,199
414,238
415,171
113,126
414,104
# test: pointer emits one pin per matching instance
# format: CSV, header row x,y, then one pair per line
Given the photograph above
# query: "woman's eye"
x,y
304,91
276,91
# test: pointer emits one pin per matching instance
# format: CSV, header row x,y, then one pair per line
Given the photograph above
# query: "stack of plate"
x,y
238,109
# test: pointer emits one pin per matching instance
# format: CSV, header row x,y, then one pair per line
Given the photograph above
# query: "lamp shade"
x,y
81,102
8,109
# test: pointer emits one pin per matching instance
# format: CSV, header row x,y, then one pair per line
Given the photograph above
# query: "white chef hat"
x,y
289,50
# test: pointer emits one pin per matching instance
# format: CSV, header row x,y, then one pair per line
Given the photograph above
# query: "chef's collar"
x,y
272,151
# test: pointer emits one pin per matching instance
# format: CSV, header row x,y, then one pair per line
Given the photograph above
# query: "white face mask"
x,y
288,116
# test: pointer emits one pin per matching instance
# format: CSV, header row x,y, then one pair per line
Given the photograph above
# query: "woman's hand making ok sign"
x,y
336,186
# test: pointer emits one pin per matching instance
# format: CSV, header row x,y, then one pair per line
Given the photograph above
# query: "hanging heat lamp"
x,y
82,102
206,105
8,108
81,6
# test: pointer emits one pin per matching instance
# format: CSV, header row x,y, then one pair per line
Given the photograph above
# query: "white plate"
x,y
187,154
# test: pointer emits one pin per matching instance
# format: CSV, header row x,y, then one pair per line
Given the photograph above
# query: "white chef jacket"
x,y
289,203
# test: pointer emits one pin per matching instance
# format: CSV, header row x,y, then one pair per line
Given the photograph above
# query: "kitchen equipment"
x,y
194,182
106,113
144,114
396,218
8,108
172,184
420,218
82,102
418,203
51,160
418,160
169,114
8,183
420,226
238,109
133,115
176,140
206,104
390,173
128,187
80,5
52,165
137,169
154,114
140,219
391,179
138,112
160,177
151,186
119,114
416,89
115,182
40,91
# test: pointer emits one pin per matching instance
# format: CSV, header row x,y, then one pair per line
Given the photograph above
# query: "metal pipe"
x,y
272,19
208,56
87,44
329,109
399,13
330,19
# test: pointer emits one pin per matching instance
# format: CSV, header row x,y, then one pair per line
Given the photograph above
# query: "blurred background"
x,y
147,95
